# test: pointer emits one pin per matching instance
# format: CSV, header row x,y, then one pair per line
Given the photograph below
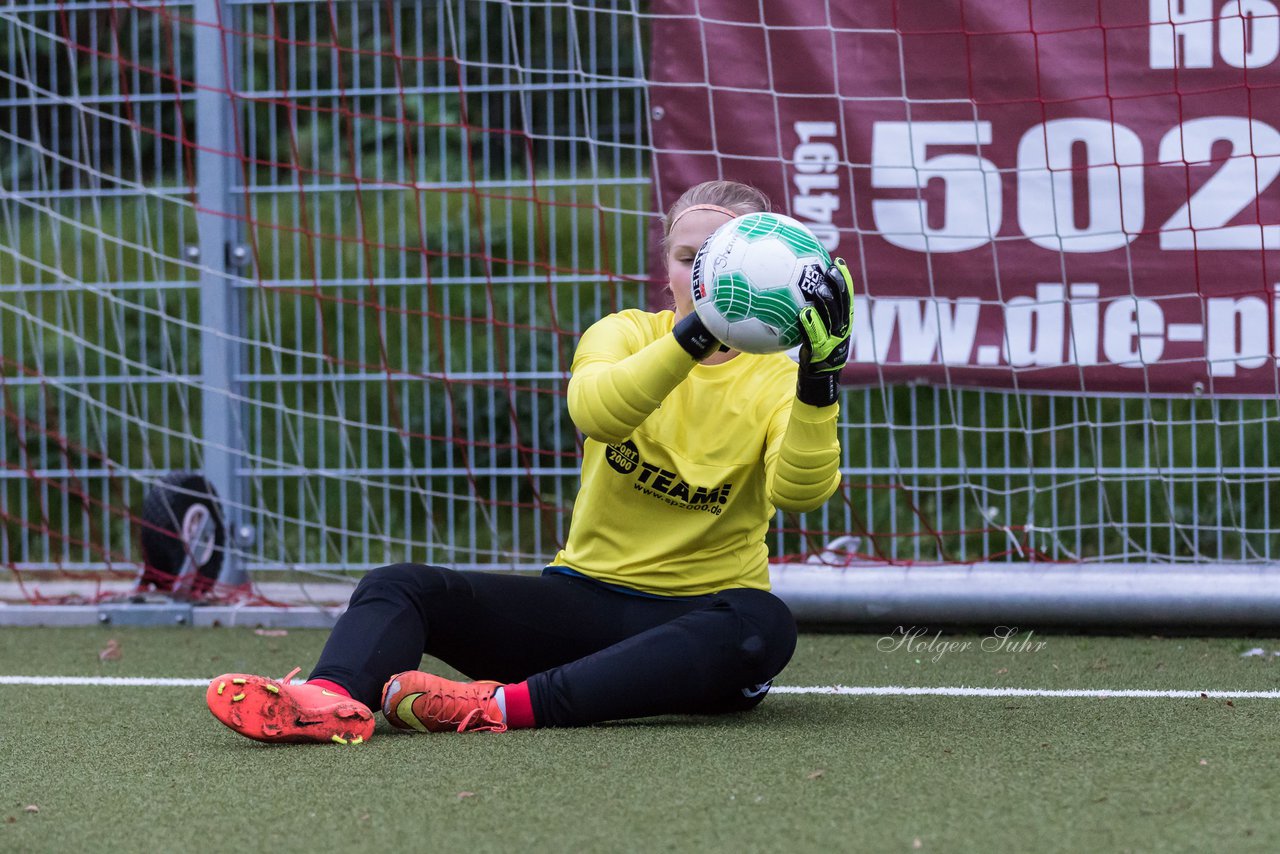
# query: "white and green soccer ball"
x,y
746,281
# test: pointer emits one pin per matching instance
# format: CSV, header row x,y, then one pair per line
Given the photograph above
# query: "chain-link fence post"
x,y
218,232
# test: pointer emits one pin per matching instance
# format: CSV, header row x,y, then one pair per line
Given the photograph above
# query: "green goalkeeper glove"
x,y
825,325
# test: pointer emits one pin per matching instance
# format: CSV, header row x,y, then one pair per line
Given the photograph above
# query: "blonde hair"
x,y
730,195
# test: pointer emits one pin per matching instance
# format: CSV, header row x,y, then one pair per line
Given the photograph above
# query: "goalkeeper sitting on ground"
x,y
659,602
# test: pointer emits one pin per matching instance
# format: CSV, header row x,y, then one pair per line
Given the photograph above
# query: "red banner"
x,y
1070,196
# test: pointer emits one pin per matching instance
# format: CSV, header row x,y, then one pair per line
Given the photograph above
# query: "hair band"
x,y
717,208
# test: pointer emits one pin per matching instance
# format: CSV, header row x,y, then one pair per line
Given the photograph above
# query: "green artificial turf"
x,y
146,769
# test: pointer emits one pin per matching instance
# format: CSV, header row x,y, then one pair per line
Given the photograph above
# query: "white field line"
x,y
841,690
104,681
904,691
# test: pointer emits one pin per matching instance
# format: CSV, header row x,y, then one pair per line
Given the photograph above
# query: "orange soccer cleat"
x,y
277,711
428,703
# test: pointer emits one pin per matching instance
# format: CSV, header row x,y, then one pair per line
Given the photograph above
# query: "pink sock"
x,y
332,687
519,706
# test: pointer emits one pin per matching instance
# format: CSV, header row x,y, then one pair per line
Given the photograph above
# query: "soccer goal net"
x,y
289,290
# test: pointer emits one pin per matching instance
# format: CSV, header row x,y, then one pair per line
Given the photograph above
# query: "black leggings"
x,y
589,653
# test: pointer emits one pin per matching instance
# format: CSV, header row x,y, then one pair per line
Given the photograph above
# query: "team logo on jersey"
x,y
665,485
623,458
653,479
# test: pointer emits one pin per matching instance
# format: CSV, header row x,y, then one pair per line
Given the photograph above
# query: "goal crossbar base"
x,y
177,614
1114,595
1208,597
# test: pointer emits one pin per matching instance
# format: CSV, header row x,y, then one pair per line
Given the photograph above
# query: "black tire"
x,y
164,548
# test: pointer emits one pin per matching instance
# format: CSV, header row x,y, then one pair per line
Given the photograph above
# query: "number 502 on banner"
x,y
1048,158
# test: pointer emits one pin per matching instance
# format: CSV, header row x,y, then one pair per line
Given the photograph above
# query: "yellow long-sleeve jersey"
x,y
685,463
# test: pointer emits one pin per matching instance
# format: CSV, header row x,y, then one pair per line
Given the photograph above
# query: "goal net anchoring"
x,y
330,260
